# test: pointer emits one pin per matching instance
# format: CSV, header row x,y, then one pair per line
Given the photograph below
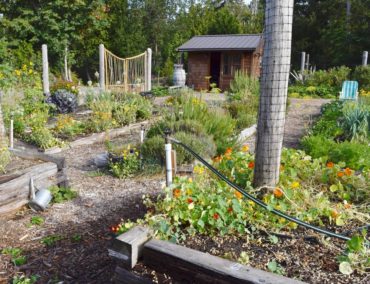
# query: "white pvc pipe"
x,y
11,134
45,69
365,55
168,149
142,135
303,59
101,67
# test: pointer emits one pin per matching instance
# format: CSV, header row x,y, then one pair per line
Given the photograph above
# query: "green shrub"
x,y
362,75
244,112
153,148
317,146
333,77
355,155
243,86
66,127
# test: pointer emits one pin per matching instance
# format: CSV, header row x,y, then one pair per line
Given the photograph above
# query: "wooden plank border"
x,y
190,266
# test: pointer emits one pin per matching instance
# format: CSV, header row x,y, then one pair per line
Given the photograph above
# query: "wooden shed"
x,y
219,57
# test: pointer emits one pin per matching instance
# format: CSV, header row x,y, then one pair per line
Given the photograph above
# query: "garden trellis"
x,y
131,74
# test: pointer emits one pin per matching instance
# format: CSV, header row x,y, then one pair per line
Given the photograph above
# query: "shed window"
x,y
231,63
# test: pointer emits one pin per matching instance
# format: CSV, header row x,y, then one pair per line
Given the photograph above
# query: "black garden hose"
x,y
256,200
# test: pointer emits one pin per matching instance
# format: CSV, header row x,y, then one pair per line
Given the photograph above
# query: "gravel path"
x,y
301,114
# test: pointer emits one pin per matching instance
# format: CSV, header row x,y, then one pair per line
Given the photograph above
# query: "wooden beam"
x,y
128,247
122,276
191,266
36,155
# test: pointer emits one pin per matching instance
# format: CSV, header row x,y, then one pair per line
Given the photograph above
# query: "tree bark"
x,y
274,87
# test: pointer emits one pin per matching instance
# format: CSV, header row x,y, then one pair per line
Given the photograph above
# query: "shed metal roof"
x,y
222,42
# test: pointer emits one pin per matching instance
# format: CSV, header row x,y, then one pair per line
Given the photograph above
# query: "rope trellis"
x,y
125,74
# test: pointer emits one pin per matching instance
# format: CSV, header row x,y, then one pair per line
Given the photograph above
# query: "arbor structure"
x,y
274,87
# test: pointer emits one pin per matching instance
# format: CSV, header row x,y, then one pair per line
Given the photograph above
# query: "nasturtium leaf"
x,y
345,268
272,266
333,188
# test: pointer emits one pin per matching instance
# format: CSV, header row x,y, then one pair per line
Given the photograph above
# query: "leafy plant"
x,y
243,87
356,121
61,194
160,91
125,163
25,280
356,255
16,255
51,240
67,127
37,220
275,267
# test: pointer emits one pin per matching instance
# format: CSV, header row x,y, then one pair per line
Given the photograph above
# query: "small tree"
x,y
274,88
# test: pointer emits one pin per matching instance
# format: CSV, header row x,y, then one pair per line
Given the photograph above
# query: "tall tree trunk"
x,y
274,87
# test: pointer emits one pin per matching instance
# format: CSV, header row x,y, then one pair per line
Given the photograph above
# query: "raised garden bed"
x,y
15,185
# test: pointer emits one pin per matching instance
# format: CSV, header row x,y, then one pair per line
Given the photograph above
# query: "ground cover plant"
x,y
316,191
341,134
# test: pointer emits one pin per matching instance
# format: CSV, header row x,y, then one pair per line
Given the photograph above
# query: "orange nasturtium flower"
x,y
251,165
190,200
230,210
245,148
238,194
176,192
334,214
330,164
340,174
216,216
348,171
228,151
346,204
278,192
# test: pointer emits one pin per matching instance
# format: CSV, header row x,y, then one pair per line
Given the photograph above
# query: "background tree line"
x,y
327,29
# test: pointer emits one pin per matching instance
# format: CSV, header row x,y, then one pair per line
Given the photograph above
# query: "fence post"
x,y
148,78
303,59
101,67
45,70
168,149
11,134
365,55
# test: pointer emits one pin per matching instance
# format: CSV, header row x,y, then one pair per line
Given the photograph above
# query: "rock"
x,y
101,160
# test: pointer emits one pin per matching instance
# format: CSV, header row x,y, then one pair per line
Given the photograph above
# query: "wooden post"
x,y
303,59
45,70
125,72
365,55
66,64
148,79
101,67
11,134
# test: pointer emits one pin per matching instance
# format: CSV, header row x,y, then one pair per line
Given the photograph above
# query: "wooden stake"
x,y
45,70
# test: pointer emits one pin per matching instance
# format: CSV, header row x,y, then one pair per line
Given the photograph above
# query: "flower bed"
x,y
202,211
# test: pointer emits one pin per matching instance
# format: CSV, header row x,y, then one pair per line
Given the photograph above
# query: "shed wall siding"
x,y
198,69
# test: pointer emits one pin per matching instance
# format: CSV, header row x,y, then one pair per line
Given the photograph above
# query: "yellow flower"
x,y
245,148
30,71
190,180
1,75
24,67
198,170
189,191
31,63
17,72
295,184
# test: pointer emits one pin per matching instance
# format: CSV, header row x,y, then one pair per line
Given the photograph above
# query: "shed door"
x,y
215,68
